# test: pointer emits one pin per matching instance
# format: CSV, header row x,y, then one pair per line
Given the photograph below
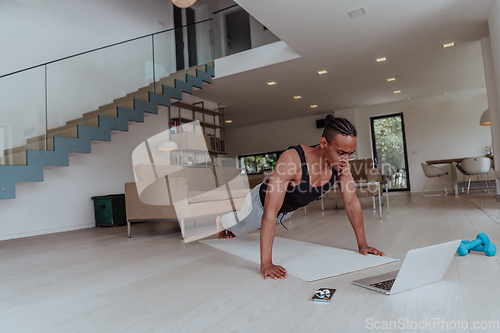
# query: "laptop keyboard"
x,y
385,285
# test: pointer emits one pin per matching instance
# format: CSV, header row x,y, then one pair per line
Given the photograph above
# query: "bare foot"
x,y
221,232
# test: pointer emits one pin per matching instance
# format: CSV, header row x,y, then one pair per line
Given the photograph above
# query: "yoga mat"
x,y
306,261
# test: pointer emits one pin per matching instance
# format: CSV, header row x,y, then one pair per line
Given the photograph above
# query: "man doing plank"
x,y
302,174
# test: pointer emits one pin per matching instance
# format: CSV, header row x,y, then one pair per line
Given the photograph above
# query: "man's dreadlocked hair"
x,y
334,126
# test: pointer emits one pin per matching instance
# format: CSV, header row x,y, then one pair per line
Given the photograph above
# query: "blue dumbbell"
x,y
489,249
479,248
465,248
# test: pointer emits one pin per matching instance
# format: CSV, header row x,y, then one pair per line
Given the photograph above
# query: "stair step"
x,y
167,81
17,155
89,121
92,119
69,131
180,75
143,93
16,159
128,103
38,145
110,113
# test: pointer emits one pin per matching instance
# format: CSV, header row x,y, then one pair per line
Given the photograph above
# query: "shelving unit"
x,y
186,120
192,150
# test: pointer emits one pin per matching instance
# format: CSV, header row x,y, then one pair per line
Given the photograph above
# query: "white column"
x,y
491,88
491,57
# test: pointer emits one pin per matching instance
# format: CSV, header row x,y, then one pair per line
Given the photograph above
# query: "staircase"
x,y
27,162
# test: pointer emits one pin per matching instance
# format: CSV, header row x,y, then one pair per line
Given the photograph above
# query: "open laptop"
x,y
420,267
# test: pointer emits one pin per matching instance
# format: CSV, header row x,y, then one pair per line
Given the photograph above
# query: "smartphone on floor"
x,y
323,294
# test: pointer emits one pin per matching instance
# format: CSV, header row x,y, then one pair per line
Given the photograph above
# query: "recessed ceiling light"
x,y
229,121
297,97
381,59
322,72
408,98
444,92
397,91
272,83
356,12
314,106
448,45
391,79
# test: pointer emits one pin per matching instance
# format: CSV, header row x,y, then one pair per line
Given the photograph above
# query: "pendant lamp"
x,y
167,145
183,3
485,118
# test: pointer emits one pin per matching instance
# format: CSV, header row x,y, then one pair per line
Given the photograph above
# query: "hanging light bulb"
x,y
183,3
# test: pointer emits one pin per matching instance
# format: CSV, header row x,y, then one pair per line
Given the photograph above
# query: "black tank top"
x,y
303,193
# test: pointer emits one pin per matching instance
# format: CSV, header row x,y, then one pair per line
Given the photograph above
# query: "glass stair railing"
x,y
76,90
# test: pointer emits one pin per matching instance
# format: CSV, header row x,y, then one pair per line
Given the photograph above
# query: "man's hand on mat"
x,y
368,249
272,271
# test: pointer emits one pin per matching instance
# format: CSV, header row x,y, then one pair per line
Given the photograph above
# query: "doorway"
x,y
389,150
238,32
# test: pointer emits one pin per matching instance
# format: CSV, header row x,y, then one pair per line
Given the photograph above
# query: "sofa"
x,y
138,211
193,195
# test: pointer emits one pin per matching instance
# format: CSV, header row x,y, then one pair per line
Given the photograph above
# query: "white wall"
x,y
494,27
63,200
494,110
273,136
437,127
58,28
14,103
491,53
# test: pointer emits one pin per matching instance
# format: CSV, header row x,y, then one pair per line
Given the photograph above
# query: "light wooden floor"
x,y
98,280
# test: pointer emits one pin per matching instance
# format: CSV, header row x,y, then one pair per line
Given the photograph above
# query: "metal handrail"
x,y
221,10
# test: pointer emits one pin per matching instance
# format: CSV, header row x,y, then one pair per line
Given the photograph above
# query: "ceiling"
x,y
410,34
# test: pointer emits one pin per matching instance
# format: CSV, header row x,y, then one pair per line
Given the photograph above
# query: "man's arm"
x,y
276,190
353,209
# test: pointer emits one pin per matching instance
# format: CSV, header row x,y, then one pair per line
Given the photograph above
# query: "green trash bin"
x,y
109,210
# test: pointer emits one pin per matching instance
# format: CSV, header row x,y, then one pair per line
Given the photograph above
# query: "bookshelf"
x,y
196,148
